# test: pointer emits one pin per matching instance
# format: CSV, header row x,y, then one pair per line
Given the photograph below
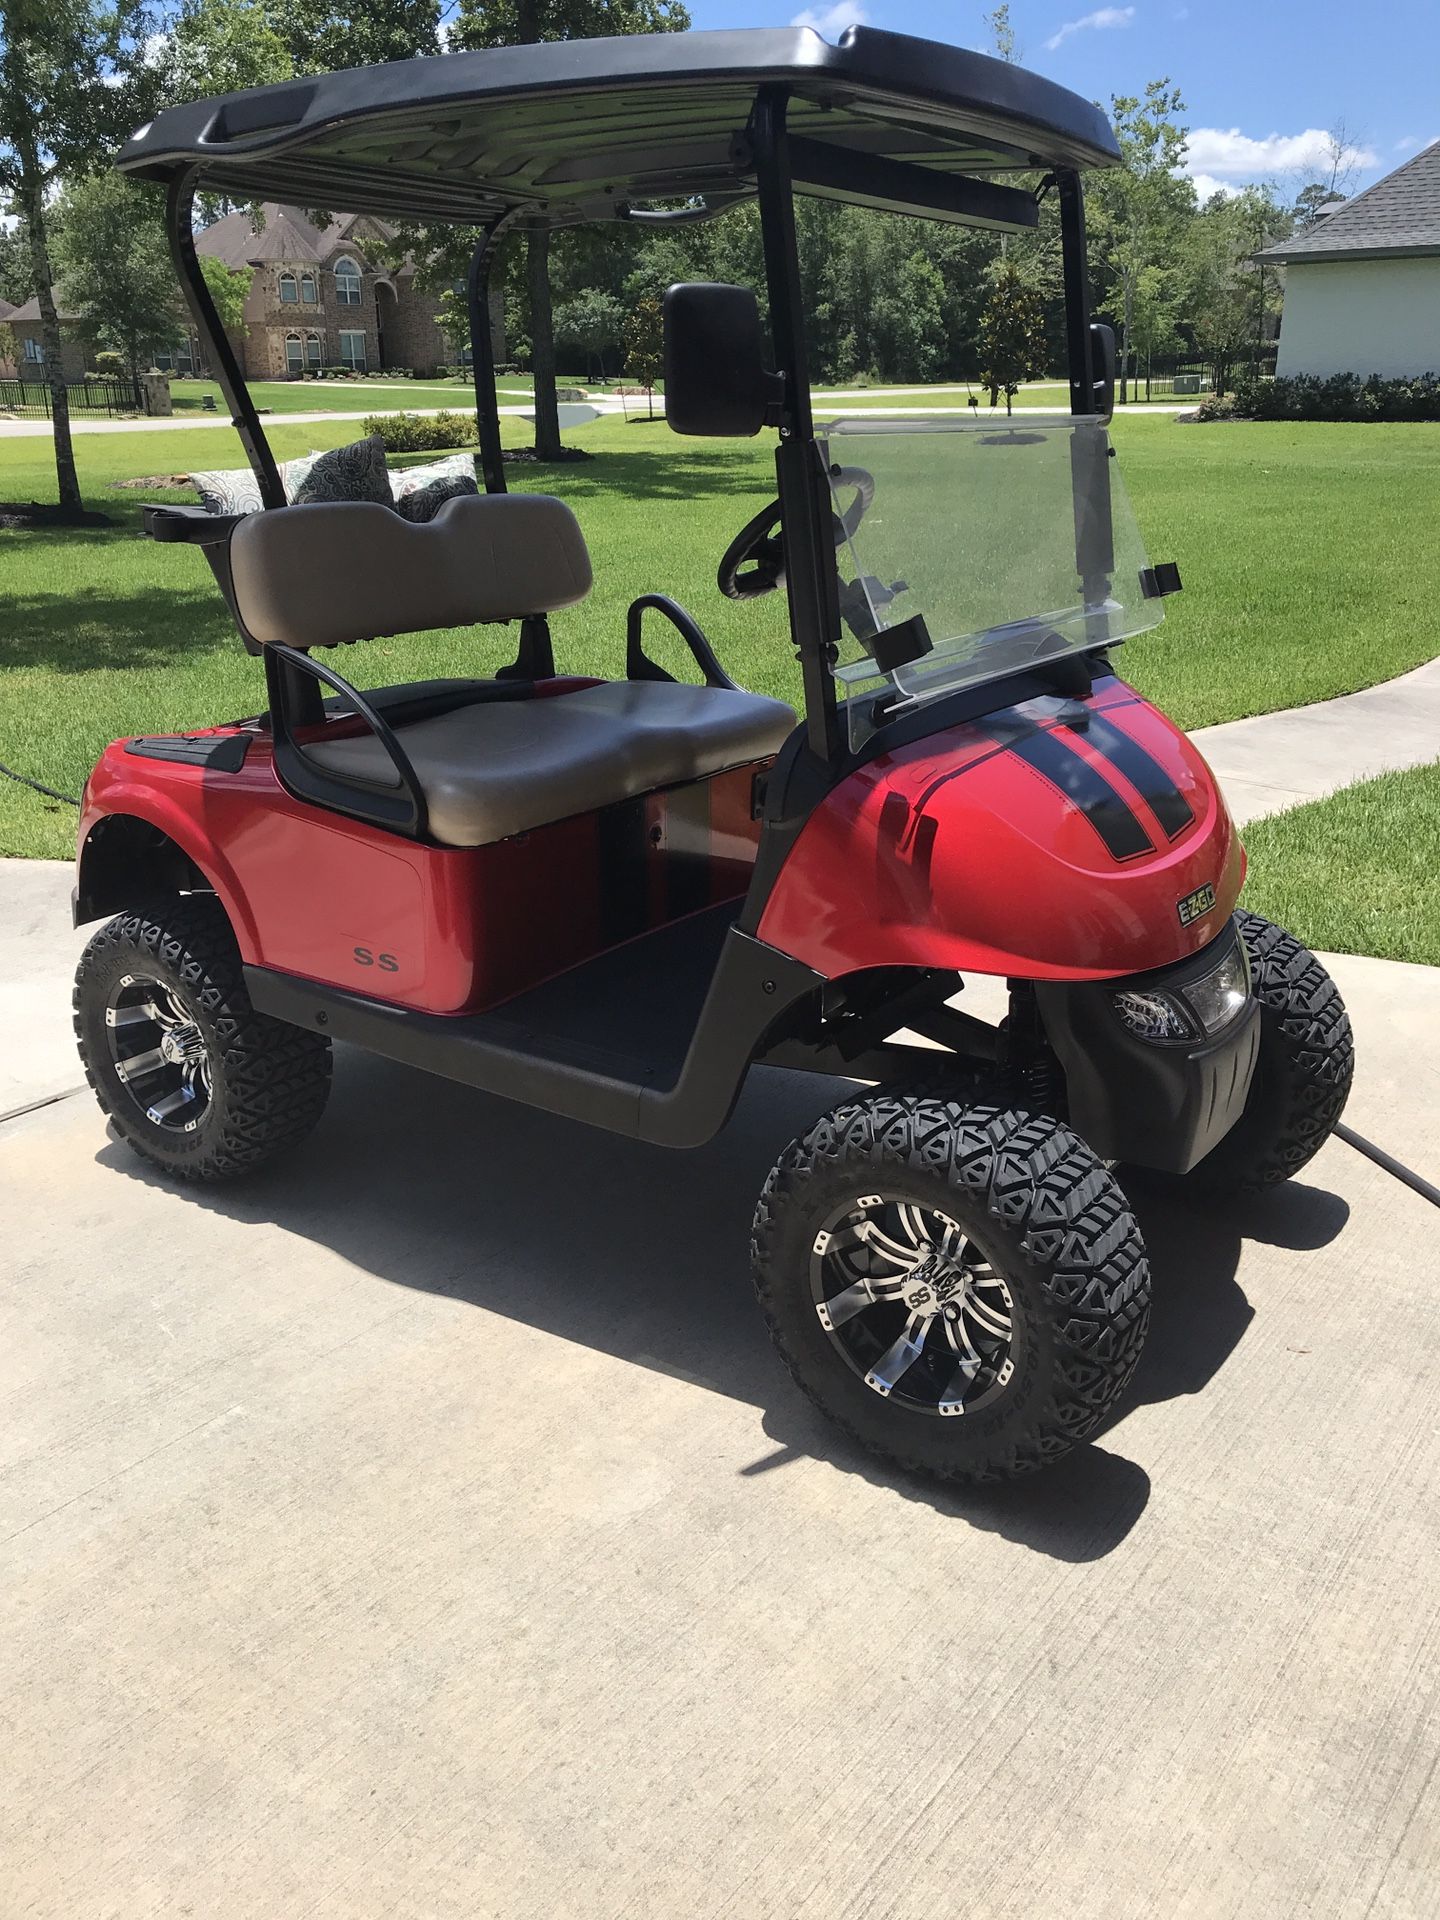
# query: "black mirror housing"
x,y
717,385
1102,367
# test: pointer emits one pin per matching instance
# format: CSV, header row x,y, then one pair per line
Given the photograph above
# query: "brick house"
x,y
319,298
25,358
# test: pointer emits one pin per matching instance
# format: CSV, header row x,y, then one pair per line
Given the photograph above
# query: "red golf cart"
x,y
609,899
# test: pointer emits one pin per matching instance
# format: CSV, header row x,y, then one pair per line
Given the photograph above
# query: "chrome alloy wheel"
x,y
158,1052
913,1304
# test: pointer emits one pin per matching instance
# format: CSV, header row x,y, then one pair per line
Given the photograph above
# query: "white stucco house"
x,y
1362,286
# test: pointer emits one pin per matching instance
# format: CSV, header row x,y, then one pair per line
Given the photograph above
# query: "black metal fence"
x,y
94,398
1171,381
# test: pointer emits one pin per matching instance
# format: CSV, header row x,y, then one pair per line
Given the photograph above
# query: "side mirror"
x,y
716,381
1102,367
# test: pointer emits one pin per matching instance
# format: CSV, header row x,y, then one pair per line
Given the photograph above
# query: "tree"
x,y
1311,202
594,321
645,344
220,46
453,318
324,36
1002,33
17,277
1012,332
1159,294
1225,289
229,290
503,23
74,79
1141,208
116,269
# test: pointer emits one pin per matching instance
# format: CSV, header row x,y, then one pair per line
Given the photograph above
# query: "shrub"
x,y
1336,396
1217,406
110,363
419,433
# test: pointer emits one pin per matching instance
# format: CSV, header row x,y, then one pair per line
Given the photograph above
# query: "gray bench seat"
x,y
495,769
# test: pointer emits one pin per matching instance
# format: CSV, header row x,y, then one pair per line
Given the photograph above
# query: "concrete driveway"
x,y
426,1529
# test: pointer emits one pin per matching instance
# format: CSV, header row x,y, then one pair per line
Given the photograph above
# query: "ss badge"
x,y
1194,904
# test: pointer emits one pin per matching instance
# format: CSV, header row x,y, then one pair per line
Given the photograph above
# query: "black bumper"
x,y
1153,1105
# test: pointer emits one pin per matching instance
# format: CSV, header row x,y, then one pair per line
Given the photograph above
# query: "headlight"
x,y
1153,1016
1216,997
1192,1010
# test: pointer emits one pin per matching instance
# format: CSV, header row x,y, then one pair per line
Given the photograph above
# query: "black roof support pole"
x,y
1089,464
482,357
1077,292
804,489
179,230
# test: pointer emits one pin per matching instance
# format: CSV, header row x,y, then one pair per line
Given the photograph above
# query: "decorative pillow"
x,y
236,490
356,472
423,503
455,466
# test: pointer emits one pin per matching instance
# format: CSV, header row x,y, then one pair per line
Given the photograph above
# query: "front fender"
x,y
1055,840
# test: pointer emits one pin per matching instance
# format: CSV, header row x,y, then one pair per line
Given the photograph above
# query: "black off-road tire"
x,y
268,1081
1051,1220
1303,1073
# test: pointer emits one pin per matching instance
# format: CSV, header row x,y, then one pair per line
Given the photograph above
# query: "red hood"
x,y
1058,839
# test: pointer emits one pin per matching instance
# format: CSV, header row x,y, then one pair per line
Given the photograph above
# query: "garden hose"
x,y
49,792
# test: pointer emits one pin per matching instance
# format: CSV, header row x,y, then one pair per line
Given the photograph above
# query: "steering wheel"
x,y
754,561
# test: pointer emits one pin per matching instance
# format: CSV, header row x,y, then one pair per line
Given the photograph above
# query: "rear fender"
x,y
137,840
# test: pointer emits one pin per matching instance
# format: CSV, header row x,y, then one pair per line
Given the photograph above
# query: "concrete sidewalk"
x,y
426,1529
1278,760
180,423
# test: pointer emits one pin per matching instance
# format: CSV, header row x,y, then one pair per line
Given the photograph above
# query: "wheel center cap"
x,y
181,1044
929,1285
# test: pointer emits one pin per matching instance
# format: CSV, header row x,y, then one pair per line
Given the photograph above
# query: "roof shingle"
x,y
1399,214
287,238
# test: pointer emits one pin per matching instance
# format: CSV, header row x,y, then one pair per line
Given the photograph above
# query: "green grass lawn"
x,y
1307,552
1355,873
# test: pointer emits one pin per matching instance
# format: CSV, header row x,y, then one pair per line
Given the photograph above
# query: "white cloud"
x,y
1102,18
1405,143
1228,154
1207,186
832,21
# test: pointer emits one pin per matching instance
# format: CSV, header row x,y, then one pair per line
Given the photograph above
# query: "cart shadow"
x,y
641,1254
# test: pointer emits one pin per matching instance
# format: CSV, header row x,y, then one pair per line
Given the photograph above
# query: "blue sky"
x,y
1262,80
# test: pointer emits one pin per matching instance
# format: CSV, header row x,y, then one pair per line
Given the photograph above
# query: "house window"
x,y
294,353
35,351
288,293
308,294
347,283
352,350
312,349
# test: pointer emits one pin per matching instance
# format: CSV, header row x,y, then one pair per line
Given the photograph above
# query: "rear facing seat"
x,y
329,574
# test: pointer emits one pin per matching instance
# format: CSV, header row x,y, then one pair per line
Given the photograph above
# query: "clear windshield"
x,y
1000,543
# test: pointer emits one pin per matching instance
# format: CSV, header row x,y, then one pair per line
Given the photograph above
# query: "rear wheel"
x,y
190,1075
962,1288
1303,1073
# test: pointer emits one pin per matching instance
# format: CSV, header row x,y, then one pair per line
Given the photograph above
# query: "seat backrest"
x,y
328,573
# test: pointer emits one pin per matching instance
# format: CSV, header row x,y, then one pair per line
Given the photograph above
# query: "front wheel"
x,y
962,1288
1303,1073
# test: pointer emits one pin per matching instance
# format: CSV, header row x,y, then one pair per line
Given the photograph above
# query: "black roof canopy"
x,y
579,130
